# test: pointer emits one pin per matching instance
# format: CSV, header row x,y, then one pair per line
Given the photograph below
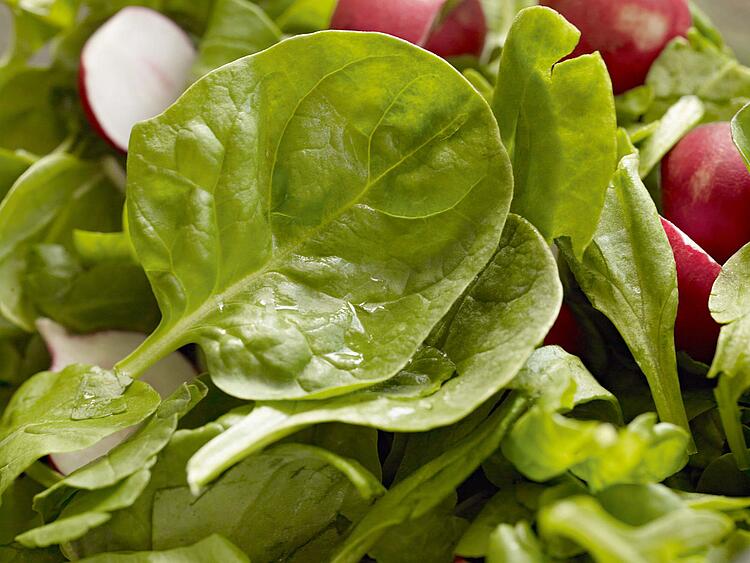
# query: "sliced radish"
x,y
133,68
695,330
462,32
105,349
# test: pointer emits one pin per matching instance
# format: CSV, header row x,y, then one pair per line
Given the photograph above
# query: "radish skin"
x,y
462,32
629,34
706,190
696,332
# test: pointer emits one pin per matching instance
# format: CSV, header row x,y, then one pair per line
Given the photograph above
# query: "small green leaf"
x,y
65,412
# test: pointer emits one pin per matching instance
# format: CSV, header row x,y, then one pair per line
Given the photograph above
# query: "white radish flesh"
x,y
133,68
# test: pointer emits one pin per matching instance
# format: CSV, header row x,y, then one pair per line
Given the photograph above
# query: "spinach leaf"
x,y
628,273
88,511
236,28
16,514
108,295
124,460
431,537
491,333
211,548
424,489
12,165
499,17
553,116
730,306
54,196
30,116
288,502
67,411
60,13
296,289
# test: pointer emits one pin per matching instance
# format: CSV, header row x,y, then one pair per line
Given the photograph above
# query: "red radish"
x,y
104,349
566,332
133,68
461,32
706,190
695,330
629,34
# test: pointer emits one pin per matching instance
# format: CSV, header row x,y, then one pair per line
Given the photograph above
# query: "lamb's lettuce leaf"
x,y
673,126
678,532
741,132
237,28
67,411
502,508
296,289
544,444
629,274
697,66
489,337
212,548
553,116
730,306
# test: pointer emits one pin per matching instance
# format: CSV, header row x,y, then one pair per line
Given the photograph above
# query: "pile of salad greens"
x,y
355,250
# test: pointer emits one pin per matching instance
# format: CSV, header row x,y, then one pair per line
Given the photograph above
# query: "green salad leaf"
x,y
553,116
730,305
67,411
628,273
56,195
289,501
673,126
295,290
678,532
697,66
236,28
511,305
211,548
423,490
544,444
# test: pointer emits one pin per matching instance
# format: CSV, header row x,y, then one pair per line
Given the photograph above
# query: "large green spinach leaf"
x,y
488,338
629,274
553,116
309,232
